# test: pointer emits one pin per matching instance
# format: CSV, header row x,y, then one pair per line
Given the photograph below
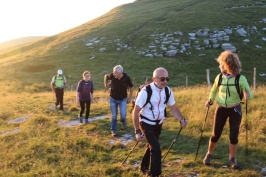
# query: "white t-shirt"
x,y
158,98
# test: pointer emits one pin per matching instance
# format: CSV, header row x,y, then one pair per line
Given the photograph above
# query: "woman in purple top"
x,y
85,96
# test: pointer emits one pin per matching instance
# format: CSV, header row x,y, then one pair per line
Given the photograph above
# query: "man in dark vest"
x,y
119,84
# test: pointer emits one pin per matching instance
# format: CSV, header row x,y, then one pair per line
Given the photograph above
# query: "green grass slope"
x,y
128,29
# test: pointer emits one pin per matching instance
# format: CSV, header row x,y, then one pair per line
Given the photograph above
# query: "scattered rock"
x,y
229,47
246,40
18,120
89,44
171,53
202,33
10,131
70,123
158,55
202,54
228,31
216,45
192,34
125,139
241,32
149,55
102,49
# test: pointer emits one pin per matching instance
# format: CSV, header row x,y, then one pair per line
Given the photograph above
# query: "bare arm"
x,y
92,98
52,86
77,97
177,114
135,119
65,85
105,81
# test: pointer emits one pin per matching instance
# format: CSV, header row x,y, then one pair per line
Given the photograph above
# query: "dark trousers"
x,y
153,154
59,94
82,108
221,115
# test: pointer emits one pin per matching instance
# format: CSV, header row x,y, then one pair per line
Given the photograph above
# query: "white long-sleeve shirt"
x,y
157,100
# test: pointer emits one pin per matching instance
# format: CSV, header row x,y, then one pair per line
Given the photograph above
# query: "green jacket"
x,y
227,92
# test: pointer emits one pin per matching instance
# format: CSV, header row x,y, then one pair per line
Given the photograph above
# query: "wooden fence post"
x,y
208,78
186,81
254,81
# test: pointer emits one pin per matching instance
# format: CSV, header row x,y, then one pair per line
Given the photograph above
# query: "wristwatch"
x,y
184,119
138,131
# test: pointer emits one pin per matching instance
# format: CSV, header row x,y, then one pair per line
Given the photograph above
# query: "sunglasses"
x,y
163,78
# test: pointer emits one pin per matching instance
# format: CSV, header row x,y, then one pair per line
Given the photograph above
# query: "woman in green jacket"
x,y
228,103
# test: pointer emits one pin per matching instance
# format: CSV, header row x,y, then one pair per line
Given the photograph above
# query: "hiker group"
x,y
84,94
148,112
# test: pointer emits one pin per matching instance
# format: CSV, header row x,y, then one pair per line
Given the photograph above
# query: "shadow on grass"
x,y
182,153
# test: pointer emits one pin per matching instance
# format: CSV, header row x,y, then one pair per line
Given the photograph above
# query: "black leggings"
x,y
82,108
221,114
152,156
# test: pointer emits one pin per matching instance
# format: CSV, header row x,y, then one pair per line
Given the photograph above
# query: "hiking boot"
x,y
56,107
86,121
80,119
113,134
233,163
148,174
124,125
207,159
144,170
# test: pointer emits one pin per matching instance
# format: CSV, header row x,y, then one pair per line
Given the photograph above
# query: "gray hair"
x,y
118,68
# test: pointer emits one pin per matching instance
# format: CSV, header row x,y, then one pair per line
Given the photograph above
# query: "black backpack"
x,y
240,92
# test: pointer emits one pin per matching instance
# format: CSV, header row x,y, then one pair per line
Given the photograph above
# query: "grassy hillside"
x,y
40,147
130,29
15,43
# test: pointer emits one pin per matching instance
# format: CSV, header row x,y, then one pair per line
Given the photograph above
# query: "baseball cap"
x,y
59,71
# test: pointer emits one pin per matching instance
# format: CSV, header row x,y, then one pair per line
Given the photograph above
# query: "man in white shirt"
x,y
148,119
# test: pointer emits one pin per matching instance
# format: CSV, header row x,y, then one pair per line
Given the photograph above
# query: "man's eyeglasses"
x,y
163,78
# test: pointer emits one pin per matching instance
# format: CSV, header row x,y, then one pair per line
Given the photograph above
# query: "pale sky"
x,y
22,18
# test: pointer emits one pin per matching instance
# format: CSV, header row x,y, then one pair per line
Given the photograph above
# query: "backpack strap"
x,y
167,94
237,87
149,93
220,79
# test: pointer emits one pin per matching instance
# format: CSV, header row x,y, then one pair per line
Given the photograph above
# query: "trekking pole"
x,y
202,129
173,142
246,127
131,151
